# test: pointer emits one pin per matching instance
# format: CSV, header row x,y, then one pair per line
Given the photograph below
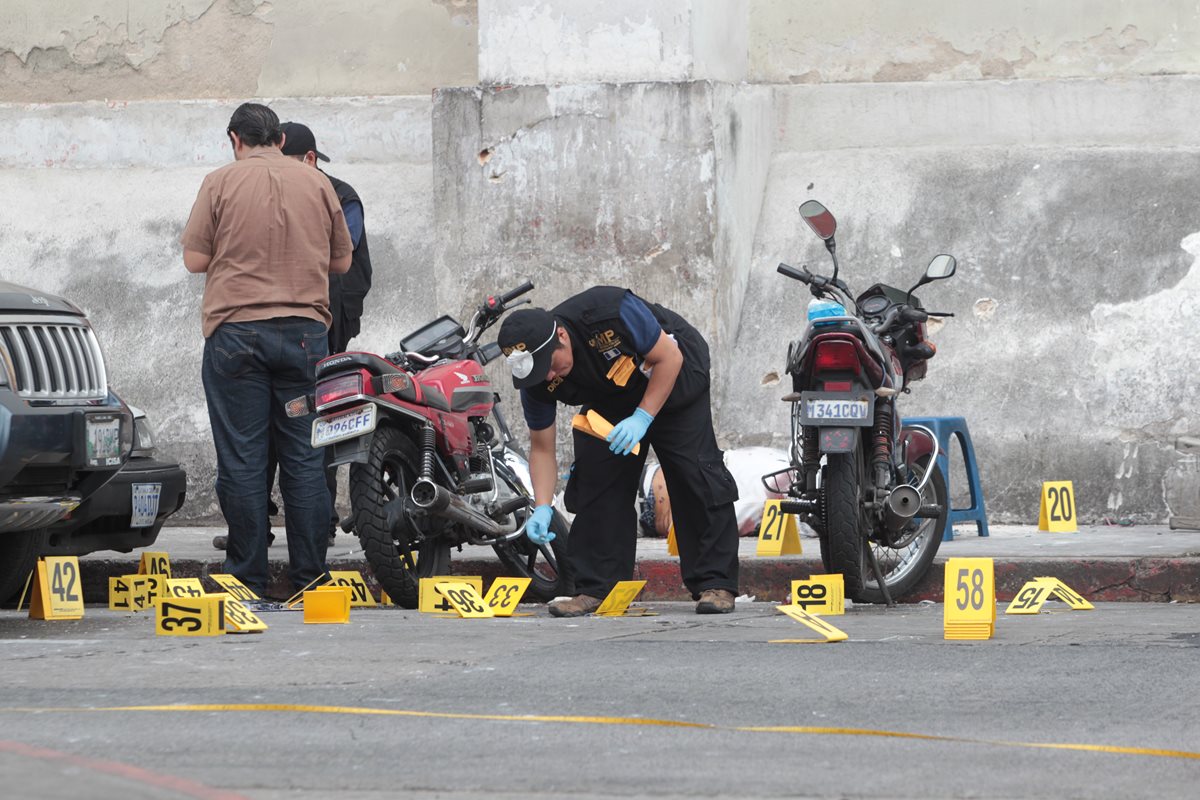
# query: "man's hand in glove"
x,y
629,432
538,526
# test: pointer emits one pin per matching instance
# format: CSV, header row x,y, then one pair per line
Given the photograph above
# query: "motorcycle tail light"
x,y
835,357
339,389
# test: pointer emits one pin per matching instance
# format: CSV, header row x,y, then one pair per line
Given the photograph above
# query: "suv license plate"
x,y
103,440
343,426
145,504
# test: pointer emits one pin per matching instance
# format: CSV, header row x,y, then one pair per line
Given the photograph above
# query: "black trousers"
x,y
602,490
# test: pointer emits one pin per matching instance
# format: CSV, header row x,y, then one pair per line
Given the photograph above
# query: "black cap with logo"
x,y
527,340
298,140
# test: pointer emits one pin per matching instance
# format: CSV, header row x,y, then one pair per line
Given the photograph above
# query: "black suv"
x,y
68,484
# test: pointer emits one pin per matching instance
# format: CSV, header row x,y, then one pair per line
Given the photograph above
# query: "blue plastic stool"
x,y
945,428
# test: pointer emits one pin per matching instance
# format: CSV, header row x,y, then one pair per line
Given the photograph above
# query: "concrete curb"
x,y
1144,579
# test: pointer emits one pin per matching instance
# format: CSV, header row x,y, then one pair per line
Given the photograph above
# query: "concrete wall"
x,y
122,50
654,186
1072,353
864,41
579,41
1049,145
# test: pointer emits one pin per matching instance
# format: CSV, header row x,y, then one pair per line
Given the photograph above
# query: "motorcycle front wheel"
x,y
412,550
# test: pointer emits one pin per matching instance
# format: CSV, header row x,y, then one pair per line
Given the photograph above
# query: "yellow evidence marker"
x,y
595,425
672,545
970,599
778,534
618,600
57,590
1066,594
326,604
239,619
821,594
145,590
504,595
830,633
1030,598
430,601
1057,510
384,600
196,616
234,587
360,595
118,594
465,600
154,563
185,587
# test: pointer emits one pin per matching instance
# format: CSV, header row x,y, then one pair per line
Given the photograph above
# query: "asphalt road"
x,y
673,705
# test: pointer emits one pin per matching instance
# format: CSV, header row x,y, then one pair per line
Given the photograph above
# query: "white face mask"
x,y
521,361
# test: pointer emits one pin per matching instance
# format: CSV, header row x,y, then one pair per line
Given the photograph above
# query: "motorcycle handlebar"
x,y
508,297
792,272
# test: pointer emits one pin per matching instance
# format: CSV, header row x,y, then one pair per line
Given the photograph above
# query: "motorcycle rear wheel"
x,y
846,526
903,568
398,560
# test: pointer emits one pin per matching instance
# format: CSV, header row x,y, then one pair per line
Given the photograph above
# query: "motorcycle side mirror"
x,y
817,217
942,266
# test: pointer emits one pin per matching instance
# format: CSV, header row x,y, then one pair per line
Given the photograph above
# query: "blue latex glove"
x,y
538,526
629,432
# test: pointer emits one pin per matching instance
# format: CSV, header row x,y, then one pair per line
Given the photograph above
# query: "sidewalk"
x,y
1142,563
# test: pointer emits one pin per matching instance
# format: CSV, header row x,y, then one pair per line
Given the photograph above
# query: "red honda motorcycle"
x,y
867,484
428,469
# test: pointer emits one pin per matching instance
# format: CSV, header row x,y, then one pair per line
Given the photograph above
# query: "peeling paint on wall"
x,y
122,50
821,41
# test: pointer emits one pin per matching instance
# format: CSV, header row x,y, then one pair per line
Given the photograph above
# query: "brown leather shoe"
x,y
577,606
715,601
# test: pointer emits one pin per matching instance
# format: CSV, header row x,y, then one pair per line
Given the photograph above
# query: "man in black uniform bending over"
x,y
646,370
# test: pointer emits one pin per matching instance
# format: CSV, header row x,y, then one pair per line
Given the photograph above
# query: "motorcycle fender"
x,y
838,440
351,451
917,445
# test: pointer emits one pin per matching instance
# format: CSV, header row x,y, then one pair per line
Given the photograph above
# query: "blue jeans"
x,y
250,370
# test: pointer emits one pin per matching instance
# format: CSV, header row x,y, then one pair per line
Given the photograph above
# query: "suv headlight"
x,y
143,434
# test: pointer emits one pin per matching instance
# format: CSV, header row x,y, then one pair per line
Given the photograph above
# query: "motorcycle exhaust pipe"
x,y
901,506
434,499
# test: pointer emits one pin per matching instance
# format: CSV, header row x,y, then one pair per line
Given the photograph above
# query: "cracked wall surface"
x,y
822,41
121,50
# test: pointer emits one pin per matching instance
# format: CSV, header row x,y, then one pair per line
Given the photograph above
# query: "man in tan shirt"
x,y
266,230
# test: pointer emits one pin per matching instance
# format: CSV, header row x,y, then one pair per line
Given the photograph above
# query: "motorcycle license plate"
x,y
836,408
327,430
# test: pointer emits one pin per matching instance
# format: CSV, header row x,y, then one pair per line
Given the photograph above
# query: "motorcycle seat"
x,y
368,361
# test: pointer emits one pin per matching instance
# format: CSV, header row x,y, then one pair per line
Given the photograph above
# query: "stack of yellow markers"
x,y
970,599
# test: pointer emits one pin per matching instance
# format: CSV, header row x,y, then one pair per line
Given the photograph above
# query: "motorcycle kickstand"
x,y
887,596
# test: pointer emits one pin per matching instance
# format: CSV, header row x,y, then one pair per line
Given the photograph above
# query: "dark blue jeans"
x,y
250,370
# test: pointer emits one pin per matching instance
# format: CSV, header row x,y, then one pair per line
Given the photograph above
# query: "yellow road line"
x,y
804,730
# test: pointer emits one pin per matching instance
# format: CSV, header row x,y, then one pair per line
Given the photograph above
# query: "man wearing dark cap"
x,y
346,292
266,233
645,369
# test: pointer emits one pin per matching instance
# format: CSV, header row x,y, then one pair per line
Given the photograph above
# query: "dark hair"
x,y
256,125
